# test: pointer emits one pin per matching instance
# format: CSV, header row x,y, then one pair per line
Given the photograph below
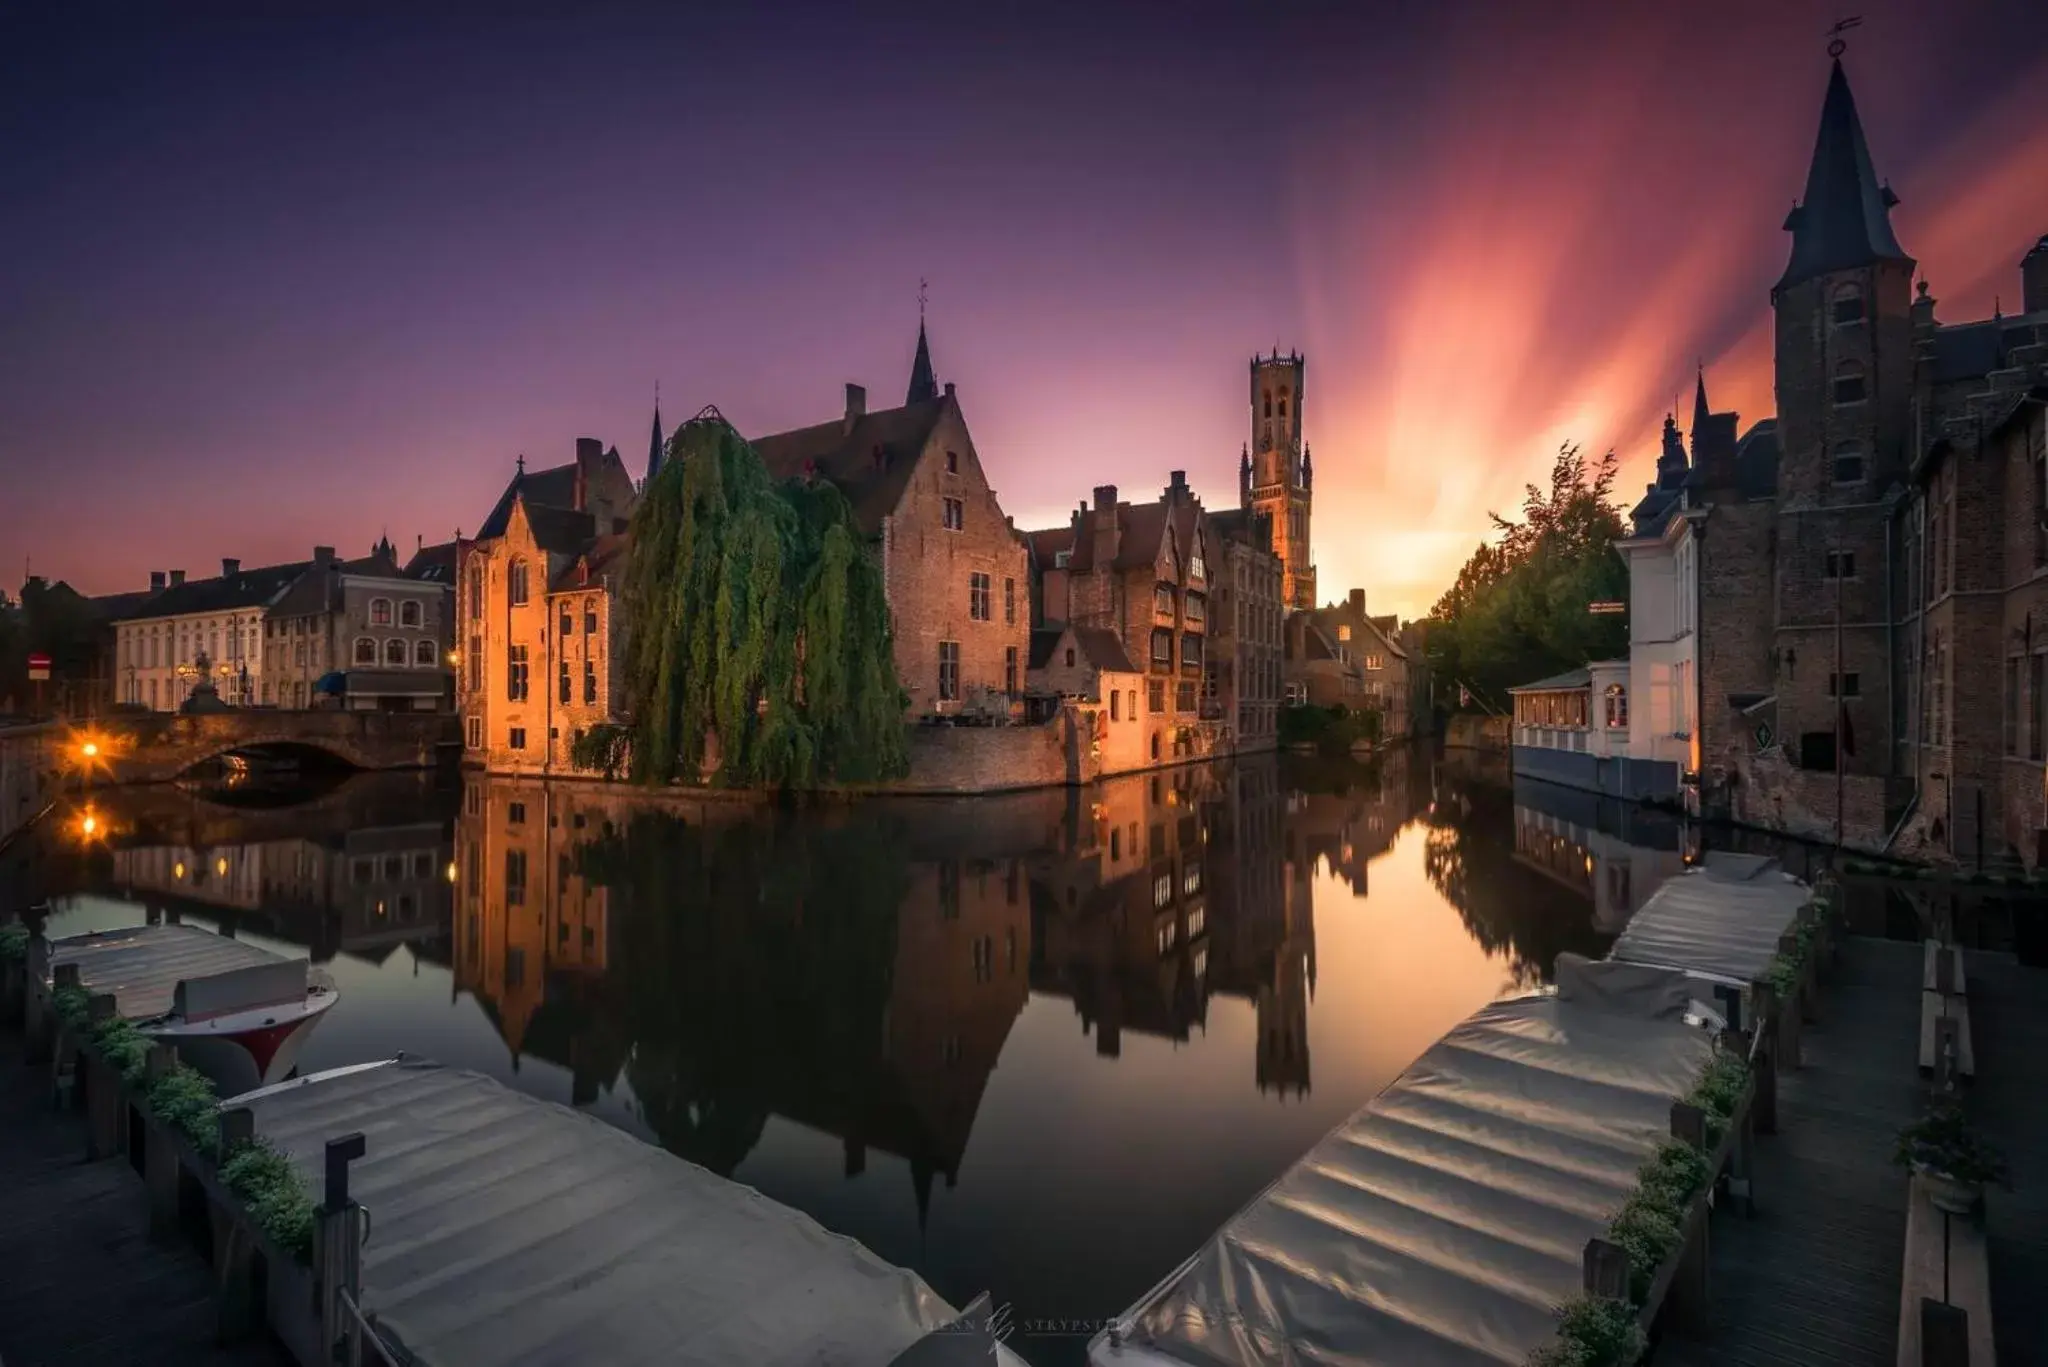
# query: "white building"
x,y
1663,640
158,644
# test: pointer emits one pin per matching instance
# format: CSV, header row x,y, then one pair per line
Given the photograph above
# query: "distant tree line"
x,y
1519,610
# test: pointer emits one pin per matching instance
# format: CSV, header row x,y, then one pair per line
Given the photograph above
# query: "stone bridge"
x,y
161,746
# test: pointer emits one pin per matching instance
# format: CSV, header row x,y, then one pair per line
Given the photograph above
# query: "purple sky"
x,y
269,281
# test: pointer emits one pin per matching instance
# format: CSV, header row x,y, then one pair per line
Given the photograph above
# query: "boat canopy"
x,y
1443,1224
513,1230
1720,921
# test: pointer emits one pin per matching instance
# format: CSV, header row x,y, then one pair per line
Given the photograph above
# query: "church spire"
x,y
654,446
1844,220
924,385
1700,411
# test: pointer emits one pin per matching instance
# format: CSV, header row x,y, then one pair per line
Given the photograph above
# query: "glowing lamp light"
x,y
91,749
220,866
178,869
88,823
451,870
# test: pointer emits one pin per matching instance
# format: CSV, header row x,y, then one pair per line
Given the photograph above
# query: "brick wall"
x,y
1735,607
954,759
1769,792
928,569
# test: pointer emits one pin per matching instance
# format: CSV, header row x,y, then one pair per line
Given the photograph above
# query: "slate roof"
x,y
1045,640
1756,460
1141,532
560,531
1101,648
1967,351
245,589
1571,678
606,555
119,607
434,564
1844,220
871,463
553,488
1045,546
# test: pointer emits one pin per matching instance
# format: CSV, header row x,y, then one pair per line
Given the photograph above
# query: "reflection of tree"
x,y
1511,910
752,962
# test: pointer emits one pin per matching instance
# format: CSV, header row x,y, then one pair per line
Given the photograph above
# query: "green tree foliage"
x,y
755,615
1518,610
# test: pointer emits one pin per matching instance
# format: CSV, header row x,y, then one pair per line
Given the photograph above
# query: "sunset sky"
x,y
278,275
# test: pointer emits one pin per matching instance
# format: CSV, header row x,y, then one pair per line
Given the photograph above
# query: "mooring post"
x,y
105,1108
1604,1270
1738,1170
64,1042
236,1312
338,1254
1763,1060
159,1152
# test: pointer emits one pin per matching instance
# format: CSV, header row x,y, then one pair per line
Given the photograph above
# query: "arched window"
x,y
423,654
1849,384
1848,462
515,584
1283,401
395,652
409,613
366,651
1847,305
1617,706
476,592
380,612
1269,403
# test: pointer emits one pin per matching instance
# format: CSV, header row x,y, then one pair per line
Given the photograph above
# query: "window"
x,y
1195,609
952,462
1009,602
516,739
1190,651
474,672
409,613
423,653
1184,696
476,593
590,681
1070,657
562,682
1115,705
1162,599
1848,306
1162,648
515,584
1131,704
977,596
590,617
299,653
1343,631
568,623
395,652
1269,403
473,731
1155,701
515,881
1840,565
1190,886
1617,706
1847,685
955,515
1009,669
949,671
1162,890
515,674
1198,568
380,612
1373,661
1848,463
366,651
1849,387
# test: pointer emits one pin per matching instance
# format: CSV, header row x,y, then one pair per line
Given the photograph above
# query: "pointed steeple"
x,y
924,385
654,445
1700,411
1844,220
1671,460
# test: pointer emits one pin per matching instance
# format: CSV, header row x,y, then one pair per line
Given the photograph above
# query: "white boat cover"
x,y
1721,920
1443,1224
510,1230
143,965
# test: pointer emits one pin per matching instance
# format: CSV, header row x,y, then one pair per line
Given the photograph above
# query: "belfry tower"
x,y
1275,475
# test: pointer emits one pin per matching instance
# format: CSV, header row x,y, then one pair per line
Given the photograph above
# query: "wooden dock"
x,y
84,1282
1812,1279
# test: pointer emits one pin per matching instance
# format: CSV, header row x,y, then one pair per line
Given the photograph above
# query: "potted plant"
x,y
1956,1161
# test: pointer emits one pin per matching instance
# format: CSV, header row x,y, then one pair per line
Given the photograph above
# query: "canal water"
x,y
1040,1045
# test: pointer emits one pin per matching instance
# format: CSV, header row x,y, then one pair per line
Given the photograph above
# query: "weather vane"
x,y
921,283
1836,47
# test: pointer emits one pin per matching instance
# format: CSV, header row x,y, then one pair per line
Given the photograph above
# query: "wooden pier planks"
x,y
85,1285
1813,1279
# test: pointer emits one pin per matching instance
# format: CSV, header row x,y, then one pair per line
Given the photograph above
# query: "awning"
x,y
1721,920
396,683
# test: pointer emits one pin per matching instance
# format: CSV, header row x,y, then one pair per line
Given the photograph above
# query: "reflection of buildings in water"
x,y
1174,888
230,877
1613,858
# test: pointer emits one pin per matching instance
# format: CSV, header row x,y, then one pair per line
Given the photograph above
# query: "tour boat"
x,y
236,1012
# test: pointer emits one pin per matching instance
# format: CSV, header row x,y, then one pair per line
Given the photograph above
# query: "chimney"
x,y
2034,278
323,555
589,451
229,567
156,581
949,389
177,578
1105,525
1358,602
1177,487
856,403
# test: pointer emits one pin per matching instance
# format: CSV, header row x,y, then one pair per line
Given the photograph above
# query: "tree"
x,y
756,623
1519,609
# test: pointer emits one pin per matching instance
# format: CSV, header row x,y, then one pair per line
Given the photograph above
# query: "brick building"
x,y
954,569
1249,621
1276,474
1340,655
383,632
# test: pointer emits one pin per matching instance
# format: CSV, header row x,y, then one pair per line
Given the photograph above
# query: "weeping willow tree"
x,y
755,621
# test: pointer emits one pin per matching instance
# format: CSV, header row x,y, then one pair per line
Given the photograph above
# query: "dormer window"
x,y
1849,387
1847,306
952,462
1196,568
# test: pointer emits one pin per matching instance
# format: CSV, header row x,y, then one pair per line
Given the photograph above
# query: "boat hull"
x,y
243,1050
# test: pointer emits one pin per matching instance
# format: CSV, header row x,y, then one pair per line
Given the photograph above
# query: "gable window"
x,y
952,462
1840,565
1849,388
423,654
954,515
949,671
1010,602
1343,631
977,596
515,674
1848,463
409,613
1848,306
1070,657
365,651
515,584
1197,567
1617,706
590,681
380,612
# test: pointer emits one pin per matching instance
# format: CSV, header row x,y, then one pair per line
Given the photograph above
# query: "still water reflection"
x,y
1040,1044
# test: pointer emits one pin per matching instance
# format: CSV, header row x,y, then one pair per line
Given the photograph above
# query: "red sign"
x,y
38,668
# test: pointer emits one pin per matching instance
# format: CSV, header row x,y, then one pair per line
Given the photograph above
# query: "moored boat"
x,y
236,1012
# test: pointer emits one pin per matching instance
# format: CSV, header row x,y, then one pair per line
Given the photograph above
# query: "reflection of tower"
x,y
1283,1008
1276,475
